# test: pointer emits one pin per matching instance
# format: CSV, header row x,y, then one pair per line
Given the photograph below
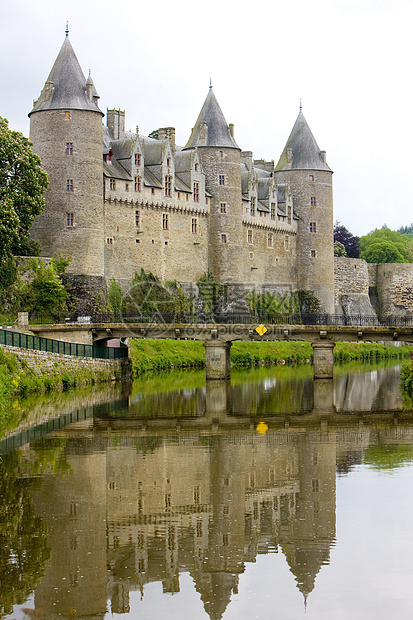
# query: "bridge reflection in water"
x,y
183,481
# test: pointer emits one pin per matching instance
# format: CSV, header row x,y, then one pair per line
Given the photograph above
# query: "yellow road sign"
x,y
261,329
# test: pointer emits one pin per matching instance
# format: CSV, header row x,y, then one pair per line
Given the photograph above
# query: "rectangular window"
x,y
313,227
69,185
70,219
168,161
137,184
112,184
196,191
249,236
252,208
165,221
126,187
137,159
313,201
109,240
168,501
221,179
223,238
197,496
273,210
196,167
270,240
286,242
311,178
69,148
67,115
137,219
223,207
168,185
312,254
194,225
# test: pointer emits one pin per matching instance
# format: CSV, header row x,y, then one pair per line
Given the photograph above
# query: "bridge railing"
x,y
230,318
37,343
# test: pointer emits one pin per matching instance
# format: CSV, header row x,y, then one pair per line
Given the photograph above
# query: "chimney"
x,y
115,120
167,133
231,129
323,156
289,156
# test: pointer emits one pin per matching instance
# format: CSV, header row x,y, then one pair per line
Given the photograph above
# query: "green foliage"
x,y
147,354
46,293
269,303
386,246
211,294
115,296
406,230
22,186
387,456
307,302
149,297
339,249
154,134
8,272
350,241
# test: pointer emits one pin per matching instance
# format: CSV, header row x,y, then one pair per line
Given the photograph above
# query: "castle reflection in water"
x,y
142,500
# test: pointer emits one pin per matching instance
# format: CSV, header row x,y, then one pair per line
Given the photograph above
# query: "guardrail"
x,y
230,319
38,343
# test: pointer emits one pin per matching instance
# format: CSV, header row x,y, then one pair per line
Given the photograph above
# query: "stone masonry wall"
x,y
43,362
351,286
395,289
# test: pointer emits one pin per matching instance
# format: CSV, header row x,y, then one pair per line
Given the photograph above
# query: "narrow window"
x,y
152,190
137,159
179,195
73,510
196,191
112,184
223,238
168,161
273,210
225,540
194,225
249,236
126,187
69,148
270,240
316,486
311,178
137,184
313,201
137,219
70,219
187,197
67,115
196,167
167,501
313,227
221,179
223,207
165,221
69,185
221,154
109,240
197,496
199,528
286,242
252,208
168,185
312,253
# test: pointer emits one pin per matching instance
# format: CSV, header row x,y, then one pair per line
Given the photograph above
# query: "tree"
x,y
386,246
350,241
339,249
22,186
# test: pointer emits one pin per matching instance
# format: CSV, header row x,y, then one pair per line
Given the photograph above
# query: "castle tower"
x,y
220,158
304,167
66,131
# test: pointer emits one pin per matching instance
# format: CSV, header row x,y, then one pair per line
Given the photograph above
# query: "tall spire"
x,y
65,87
301,151
67,28
211,128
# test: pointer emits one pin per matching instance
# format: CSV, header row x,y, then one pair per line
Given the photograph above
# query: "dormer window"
x,y
168,162
196,167
137,159
108,158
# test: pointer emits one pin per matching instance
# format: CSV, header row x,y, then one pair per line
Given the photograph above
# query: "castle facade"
x,y
119,201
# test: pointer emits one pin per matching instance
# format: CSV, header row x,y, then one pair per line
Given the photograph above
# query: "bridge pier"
x,y
218,359
323,356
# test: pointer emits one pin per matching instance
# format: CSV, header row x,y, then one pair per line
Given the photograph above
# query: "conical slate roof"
x,y
67,85
211,128
306,154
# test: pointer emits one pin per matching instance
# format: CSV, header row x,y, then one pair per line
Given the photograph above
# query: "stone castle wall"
x,y
395,289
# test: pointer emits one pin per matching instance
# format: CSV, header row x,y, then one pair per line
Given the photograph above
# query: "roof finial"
x,y
301,106
210,83
67,28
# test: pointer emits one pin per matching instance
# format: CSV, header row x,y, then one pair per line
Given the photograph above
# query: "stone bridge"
x,y
218,337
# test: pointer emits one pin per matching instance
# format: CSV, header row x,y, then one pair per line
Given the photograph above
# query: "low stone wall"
x,y
351,287
395,288
43,362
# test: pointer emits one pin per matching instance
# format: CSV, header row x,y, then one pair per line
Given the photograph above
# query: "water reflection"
x,y
181,481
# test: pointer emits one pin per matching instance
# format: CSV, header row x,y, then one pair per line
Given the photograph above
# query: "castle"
x,y
119,201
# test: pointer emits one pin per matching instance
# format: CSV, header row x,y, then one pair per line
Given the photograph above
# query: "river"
x,y
270,497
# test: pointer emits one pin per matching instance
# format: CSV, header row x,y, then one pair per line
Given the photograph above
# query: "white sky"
x,y
348,60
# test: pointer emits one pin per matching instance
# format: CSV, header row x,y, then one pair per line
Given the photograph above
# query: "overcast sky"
x,y
349,61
